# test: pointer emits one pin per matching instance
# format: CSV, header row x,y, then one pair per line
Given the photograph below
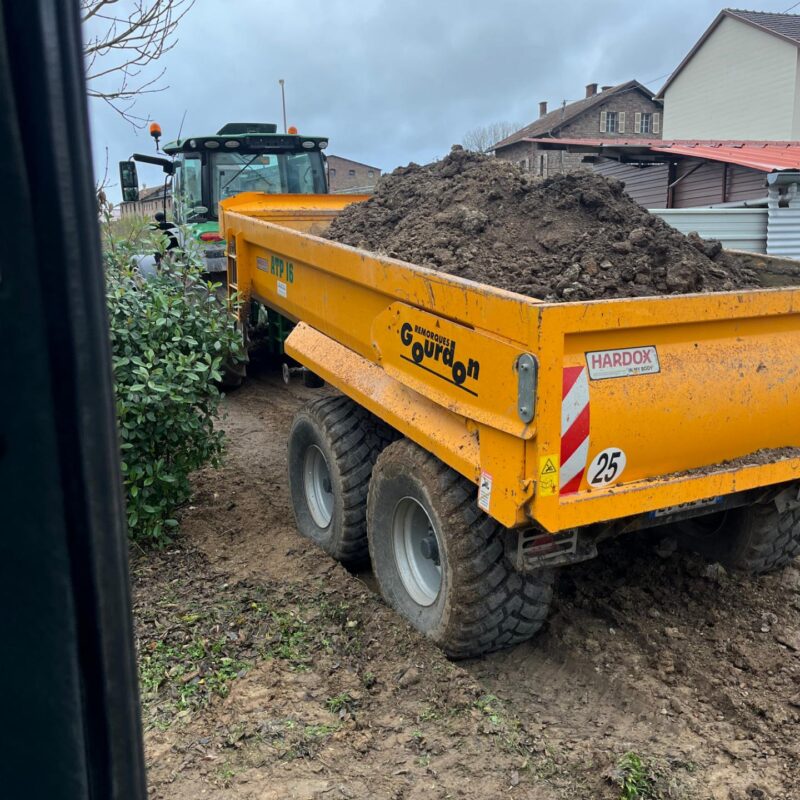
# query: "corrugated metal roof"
x,y
764,156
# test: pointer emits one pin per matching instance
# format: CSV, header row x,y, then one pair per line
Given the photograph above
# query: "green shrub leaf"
x,y
169,337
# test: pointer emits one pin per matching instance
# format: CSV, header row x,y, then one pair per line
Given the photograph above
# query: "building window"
x,y
612,121
332,171
647,122
524,163
371,174
351,172
542,165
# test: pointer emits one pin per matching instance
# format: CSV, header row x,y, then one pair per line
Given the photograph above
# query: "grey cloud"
x,y
392,82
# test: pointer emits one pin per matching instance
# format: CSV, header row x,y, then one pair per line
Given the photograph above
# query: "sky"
x,y
394,81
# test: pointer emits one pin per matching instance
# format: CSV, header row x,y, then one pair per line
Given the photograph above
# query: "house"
x,y
150,201
741,80
744,193
347,176
616,112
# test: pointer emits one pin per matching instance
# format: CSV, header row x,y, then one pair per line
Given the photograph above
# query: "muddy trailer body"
x,y
570,421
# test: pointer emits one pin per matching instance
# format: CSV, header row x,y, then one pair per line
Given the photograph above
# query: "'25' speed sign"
x,y
606,467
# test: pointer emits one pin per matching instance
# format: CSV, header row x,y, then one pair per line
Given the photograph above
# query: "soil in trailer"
x,y
269,671
569,237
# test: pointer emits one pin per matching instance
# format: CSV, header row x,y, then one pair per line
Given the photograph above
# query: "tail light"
x,y
210,237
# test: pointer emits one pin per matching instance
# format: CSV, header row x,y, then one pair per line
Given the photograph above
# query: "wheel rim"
x,y
317,484
416,551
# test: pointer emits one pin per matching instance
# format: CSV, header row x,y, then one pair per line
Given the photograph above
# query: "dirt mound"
x,y
668,647
570,237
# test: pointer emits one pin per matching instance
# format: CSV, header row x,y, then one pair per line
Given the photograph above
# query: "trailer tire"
x,y
233,374
480,603
234,371
333,445
757,538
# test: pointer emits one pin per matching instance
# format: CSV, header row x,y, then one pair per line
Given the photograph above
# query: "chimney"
x,y
542,108
591,89
606,88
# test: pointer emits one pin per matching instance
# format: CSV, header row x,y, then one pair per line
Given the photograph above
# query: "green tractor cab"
x,y
240,157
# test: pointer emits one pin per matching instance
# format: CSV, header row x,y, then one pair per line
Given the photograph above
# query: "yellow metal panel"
x,y
263,205
502,458
727,389
727,383
445,434
467,371
311,213
642,496
468,448
338,289
728,386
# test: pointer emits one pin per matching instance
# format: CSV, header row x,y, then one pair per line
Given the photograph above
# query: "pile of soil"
x,y
569,237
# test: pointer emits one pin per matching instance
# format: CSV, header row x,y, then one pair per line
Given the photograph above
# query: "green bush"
x,y
170,337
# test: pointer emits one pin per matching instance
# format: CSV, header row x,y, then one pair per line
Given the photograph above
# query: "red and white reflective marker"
x,y
574,428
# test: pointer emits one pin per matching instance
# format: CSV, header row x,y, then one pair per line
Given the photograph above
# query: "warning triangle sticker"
x,y
548,468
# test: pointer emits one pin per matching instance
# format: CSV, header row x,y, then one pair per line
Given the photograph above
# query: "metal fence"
x,y
736,228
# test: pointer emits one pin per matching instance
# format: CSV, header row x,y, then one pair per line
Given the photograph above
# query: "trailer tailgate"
x,y
650,403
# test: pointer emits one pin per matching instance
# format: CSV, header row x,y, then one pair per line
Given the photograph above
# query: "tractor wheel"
x,y
759,538
439,560
333,446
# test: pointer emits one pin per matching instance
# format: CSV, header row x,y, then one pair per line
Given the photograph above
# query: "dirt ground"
x,y
269,671
568,237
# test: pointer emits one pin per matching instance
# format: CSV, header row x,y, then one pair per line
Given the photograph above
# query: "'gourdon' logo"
x,y
428,346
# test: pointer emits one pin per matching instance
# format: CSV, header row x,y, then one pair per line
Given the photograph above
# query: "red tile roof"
x,y
760,155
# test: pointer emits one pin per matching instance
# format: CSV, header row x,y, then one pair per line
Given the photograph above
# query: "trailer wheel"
x,y
439,560
757,538
333,445
233,372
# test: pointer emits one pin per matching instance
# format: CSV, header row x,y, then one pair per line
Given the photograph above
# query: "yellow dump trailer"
x,y
483,437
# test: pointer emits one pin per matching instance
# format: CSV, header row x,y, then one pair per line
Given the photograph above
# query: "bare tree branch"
x,y
122,38
104,205
91,7
483,138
